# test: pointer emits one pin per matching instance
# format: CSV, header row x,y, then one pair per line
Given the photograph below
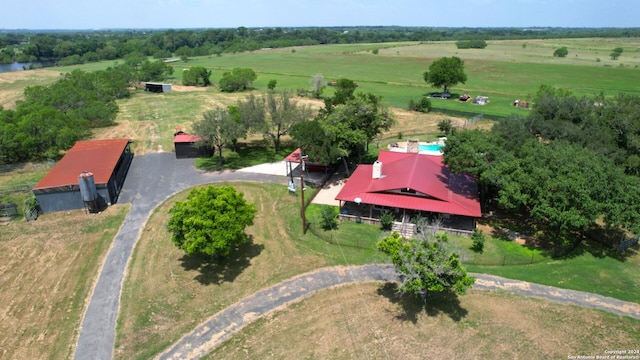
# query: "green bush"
x,y
445,126
561,52
471,44
423,105
386,220
477,239
329,220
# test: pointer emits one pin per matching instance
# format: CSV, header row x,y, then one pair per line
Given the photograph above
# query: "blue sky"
x,y
100,14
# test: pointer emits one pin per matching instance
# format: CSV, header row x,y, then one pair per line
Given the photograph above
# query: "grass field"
x,y
44,280
167,293
504,71
367,321
47,269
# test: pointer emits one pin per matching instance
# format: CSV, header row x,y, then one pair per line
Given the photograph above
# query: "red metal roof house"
x,y
414,184
108,160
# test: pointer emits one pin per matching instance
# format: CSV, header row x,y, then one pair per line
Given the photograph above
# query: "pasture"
x,y
369,321
167,293
47,271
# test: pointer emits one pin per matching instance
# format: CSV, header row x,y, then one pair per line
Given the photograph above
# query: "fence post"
x,y
532,254
504,259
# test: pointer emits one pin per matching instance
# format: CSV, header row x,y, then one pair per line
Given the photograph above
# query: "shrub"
x,y
477,239
386,220
375,51
423,105
329,219
471,44
561,52
445,126
272,84
238,79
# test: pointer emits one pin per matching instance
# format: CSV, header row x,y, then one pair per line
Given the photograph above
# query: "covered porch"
x,y
370,214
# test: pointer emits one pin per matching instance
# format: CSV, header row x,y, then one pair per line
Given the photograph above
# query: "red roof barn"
x,y
107,160
186,146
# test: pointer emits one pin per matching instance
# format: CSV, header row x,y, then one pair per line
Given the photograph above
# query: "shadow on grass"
x,y
447,303
217,271
597,240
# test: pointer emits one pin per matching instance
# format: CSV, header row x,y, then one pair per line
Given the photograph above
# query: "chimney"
x,y
413,146
377,170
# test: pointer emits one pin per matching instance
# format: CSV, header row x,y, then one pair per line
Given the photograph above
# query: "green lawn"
x,y
249,153
607,276
504,71
584,271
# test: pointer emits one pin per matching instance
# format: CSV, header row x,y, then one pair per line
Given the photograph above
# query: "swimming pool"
x,y
433,147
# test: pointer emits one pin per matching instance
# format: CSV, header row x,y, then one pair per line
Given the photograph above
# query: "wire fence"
x,y
16,188
22,168
468,256
465,114
505,260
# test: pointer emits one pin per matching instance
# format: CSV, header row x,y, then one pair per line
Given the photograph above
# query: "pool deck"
x,y
402,147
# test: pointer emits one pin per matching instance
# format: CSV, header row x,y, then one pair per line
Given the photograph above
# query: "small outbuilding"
x,y
186,146
157,87
103,164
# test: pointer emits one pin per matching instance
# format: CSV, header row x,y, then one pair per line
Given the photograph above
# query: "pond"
x,y
16,66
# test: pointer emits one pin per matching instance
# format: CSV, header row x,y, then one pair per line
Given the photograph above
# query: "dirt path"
x,y
224,324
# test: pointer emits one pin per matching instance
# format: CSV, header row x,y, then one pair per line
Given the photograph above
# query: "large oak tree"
x,y
446,72
211,221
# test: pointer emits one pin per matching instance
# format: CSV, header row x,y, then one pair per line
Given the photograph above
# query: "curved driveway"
x,y
225,323
153,178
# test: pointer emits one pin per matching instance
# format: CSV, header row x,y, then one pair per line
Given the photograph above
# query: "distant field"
x,y
150,318
504,71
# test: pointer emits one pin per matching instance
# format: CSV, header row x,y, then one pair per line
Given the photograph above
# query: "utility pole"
x,y
304,219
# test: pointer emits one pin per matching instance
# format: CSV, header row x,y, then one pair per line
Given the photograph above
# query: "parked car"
x,y
439,95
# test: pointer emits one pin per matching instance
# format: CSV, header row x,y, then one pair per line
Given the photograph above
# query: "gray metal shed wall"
x,y
67,200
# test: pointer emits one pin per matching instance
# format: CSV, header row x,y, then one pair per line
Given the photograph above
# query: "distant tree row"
x,y
87,46
471,44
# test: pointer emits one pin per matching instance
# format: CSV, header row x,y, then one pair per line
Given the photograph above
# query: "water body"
x,y
16,66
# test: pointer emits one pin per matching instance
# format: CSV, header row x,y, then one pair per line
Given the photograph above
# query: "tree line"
x,y
341,130
50,119
73,47
569,167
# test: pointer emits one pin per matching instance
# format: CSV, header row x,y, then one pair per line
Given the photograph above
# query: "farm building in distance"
x,y
106,160
186,146
157,87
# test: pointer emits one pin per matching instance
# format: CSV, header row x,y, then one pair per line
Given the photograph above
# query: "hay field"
x,y
47,270
367,321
